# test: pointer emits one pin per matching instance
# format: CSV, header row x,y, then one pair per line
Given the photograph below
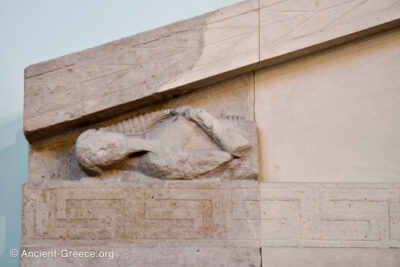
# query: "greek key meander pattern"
x,y
330,212
269,212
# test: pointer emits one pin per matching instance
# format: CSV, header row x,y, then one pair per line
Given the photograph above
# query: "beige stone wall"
x,y
212,213
327,117
333,116
168,224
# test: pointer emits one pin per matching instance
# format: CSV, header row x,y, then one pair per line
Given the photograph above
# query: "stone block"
x,y
125,211
323,257
219,213
293,28
330,215
125,255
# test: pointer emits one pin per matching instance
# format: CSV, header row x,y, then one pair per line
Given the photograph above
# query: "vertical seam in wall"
x,y
259,58
255,120
259,33
254,95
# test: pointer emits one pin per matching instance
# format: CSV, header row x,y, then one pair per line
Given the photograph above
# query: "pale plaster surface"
x,y
333,116
329,257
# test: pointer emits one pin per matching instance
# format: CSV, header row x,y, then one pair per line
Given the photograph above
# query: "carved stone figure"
x,y
184,143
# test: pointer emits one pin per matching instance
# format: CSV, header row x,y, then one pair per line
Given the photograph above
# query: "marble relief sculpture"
x,y
183,143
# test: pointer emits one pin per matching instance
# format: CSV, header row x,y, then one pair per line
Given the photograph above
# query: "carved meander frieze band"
x,y
273,214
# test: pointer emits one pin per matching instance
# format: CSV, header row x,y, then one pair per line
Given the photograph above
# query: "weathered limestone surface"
x,y
55,159
332,116
301,26
132,72
273,214
150,256
98,83
126,211
330,215
182,143
322,257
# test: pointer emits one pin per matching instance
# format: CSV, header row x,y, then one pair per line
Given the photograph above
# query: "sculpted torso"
x,y
185,145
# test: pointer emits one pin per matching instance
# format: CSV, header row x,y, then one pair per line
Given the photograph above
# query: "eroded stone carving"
x,y
184,143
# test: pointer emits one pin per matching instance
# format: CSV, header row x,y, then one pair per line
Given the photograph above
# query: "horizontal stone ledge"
x,y
141,256
102,82
305,257
117,255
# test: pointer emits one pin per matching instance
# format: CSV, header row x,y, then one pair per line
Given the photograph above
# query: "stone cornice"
x,y
102,82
